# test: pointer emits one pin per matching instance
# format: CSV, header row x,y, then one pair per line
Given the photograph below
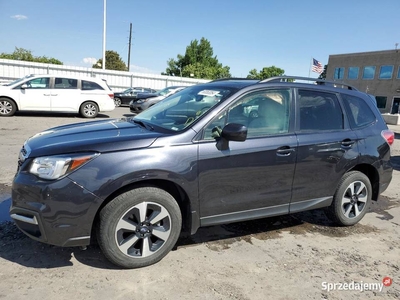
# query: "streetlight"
x,y
104,35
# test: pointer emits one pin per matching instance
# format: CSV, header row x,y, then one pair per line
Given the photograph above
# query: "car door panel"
x,y
250,175
36,95
327,149
322,160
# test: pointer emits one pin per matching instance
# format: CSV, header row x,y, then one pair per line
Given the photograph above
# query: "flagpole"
x,y
309,69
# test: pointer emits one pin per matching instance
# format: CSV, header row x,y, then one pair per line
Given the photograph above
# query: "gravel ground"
x,y
290,257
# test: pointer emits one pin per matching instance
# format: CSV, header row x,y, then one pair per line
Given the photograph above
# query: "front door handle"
x,y
347,143
284,151
46,94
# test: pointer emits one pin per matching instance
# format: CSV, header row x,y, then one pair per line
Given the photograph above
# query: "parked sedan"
x,y
128,95
144,101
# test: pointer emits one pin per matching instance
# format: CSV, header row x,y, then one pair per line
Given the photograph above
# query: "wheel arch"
x,y
170,187
11,99
88,100
373,176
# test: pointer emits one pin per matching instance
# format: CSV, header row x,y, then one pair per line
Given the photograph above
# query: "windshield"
x,y
19,80
127,91
165,91
182,109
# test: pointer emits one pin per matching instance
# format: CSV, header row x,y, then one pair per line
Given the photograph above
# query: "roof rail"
x,y
316,80
231,78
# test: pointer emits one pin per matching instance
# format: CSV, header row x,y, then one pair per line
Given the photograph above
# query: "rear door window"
x,y
65,83
319,111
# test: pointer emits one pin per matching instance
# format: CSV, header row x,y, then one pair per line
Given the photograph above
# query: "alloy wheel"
x,y
5,107
354,199
143,230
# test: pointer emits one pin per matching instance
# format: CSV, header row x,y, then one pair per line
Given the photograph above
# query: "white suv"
x,y
56,93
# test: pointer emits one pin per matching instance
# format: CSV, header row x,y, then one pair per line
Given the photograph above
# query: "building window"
x,y
339,73
398,73
353,73
369,72
386,72
381,101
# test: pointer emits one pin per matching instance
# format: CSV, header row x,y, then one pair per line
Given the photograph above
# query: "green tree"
x,y
199,61
26,55
323,74
113,62
266,72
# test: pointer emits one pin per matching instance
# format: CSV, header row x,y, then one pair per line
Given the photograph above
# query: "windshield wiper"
x,y
143,124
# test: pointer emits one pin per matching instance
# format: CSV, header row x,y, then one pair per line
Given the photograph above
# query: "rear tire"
x,y
139,227
351,200
117,102
89,110
7,107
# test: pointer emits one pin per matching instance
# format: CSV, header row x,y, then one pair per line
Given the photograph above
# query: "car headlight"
x,y
54,167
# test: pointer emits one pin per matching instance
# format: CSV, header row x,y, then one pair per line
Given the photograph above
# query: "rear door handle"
x,y
46,94
54,94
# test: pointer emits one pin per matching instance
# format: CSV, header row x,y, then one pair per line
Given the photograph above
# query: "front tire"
x,y
351,200
139,227
7,107
89,110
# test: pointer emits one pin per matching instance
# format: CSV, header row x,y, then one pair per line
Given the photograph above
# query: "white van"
x,y
56,93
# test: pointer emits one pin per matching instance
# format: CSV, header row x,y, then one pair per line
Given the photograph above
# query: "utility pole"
x,y
104,34
129,48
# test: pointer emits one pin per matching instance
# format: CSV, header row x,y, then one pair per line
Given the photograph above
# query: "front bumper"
x,y
58,212
135,108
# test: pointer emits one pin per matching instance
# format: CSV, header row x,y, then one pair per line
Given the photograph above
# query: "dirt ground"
x,y
290,257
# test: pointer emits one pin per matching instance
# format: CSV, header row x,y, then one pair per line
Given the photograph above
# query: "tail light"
x,y
111,96
389,136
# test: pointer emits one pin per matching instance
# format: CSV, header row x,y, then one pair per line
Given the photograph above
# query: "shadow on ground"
x,y
55,115
17,248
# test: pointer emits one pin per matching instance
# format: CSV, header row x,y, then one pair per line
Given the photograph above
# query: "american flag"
x,y
317,66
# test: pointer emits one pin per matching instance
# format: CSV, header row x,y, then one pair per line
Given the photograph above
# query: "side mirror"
x,y
231,132
24,86
234,132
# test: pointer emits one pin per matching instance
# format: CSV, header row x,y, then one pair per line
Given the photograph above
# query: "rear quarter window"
x,y
90,85
359,113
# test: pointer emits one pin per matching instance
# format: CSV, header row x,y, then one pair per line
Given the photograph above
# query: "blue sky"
x,y
244,34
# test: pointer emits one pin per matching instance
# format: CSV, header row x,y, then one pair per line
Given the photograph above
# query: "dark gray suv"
x,y
225,151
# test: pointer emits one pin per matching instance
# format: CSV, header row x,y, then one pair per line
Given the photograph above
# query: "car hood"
x,y
157,98
145,95
96,136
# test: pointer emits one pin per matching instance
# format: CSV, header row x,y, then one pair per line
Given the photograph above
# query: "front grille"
x,y
23,151
23,154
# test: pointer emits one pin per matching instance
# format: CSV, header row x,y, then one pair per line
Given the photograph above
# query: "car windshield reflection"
x,y
182,109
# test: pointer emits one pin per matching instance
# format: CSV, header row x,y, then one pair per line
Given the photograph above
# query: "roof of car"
x,y
243,82
82,77
233,82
